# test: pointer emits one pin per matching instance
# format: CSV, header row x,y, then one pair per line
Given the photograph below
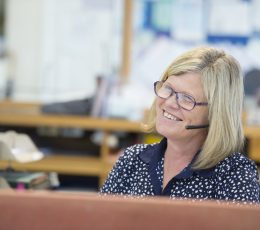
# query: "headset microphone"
x,y
196,126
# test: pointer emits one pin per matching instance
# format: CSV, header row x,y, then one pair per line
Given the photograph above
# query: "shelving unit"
x,y
28,115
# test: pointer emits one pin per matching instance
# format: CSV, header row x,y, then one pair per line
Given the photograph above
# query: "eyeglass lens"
x,y
164,91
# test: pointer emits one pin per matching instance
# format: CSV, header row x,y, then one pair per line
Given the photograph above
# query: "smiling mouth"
x,y
170,116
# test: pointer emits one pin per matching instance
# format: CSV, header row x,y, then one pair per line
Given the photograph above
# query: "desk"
x,y
49,210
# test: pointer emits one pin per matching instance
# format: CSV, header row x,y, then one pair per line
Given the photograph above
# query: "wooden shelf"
x,y
72,165
29,115
65,121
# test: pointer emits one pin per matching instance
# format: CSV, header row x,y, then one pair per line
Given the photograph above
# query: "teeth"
x,y
169,116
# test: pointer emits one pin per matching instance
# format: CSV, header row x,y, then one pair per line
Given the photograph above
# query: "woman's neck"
x,y
183,149
178,155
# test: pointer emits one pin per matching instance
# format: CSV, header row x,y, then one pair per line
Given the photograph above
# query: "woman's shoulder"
x,y
237,162
134,151
237,178
137,148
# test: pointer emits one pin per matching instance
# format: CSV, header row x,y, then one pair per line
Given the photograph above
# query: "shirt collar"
x,y
154,153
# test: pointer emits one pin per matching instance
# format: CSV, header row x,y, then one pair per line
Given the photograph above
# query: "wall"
x,y
23,41
58,47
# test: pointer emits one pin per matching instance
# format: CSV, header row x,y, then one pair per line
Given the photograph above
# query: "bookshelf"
x,y
28,115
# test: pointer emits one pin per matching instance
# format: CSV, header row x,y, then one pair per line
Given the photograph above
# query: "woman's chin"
x,y
167,131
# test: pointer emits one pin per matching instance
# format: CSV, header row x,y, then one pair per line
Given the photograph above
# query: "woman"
x,y
198,112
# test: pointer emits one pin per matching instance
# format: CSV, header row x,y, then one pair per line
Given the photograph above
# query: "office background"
x,y
55,52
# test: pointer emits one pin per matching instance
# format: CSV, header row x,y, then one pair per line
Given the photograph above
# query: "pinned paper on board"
x,y
224,20
18,147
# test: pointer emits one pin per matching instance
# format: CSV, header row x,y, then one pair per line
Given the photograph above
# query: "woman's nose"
x,y
172,101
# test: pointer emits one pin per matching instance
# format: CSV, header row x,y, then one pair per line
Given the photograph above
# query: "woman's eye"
x,y
187,99
167,89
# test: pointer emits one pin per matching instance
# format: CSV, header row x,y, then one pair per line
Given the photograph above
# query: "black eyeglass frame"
x,y
177,96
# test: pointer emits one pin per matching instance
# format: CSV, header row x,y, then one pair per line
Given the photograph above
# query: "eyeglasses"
x,y
185,101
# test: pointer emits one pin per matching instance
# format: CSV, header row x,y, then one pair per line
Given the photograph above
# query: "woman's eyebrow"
x,y
184,92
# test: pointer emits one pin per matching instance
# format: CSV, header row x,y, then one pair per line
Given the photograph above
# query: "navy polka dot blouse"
x,y
139,172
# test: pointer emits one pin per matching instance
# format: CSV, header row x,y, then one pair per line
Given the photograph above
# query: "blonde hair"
x,y
223,86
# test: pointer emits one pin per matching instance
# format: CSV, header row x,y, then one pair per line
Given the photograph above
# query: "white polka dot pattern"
x,y
234,179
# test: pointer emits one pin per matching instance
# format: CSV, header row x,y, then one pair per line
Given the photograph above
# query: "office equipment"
x,y
46,210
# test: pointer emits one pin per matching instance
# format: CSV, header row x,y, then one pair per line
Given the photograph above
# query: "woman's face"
x,y
171,119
